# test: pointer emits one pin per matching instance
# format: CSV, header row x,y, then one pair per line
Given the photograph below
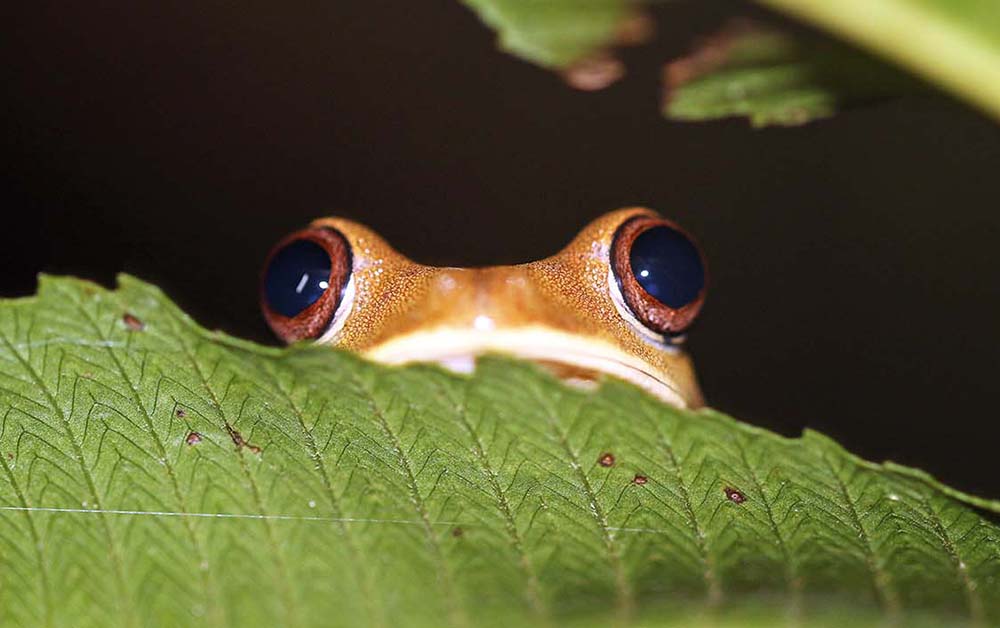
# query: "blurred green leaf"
x,y
153,473
773,77
552,33
574,38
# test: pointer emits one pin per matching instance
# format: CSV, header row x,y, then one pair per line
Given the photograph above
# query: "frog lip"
x,y
458,349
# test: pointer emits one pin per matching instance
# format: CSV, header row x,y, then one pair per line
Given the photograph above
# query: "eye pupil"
x,y
668,266
298,275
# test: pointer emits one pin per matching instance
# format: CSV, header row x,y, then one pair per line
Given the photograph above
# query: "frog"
x,y
617,300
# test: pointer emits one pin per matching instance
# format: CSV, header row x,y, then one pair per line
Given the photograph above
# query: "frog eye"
x,y
660,272
304,281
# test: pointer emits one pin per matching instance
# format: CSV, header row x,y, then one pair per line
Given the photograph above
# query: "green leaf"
x,y
572,37
953,43
157,474
552,33
774,78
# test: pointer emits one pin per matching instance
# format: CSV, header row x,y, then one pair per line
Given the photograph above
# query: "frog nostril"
x,y
660,272
303,281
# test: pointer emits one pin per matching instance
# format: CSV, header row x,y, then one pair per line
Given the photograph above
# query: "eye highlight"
x,y
303,282
660,272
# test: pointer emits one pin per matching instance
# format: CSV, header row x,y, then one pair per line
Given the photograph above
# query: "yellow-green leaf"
x,y
953,43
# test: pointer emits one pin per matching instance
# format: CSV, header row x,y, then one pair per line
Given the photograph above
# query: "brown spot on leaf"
x,y
734,495
594,73
132,322
193,438
639,480
235,435
607,459
636,28
180,413
602,67
10,456
239,441
457,532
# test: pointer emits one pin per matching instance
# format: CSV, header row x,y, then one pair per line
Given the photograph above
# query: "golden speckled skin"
x,y
560,311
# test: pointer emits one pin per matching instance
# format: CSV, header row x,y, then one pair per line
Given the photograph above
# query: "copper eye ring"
x,y
661,273
303,282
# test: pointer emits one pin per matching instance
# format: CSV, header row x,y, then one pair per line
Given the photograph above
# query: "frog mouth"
x,y
578,361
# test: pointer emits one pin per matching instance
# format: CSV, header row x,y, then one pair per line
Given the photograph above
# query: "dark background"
x,y
854,284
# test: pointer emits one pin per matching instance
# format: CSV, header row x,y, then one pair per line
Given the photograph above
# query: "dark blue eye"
x,y
303,282
668,266
297,277
660,272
